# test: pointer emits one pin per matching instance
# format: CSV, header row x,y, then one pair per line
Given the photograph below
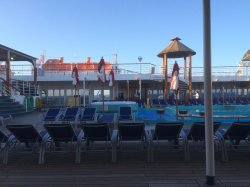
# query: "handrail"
x,y
17,86
5,88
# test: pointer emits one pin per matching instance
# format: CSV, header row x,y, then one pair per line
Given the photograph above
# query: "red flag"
x,y
75,76
101,71
174,84
111,78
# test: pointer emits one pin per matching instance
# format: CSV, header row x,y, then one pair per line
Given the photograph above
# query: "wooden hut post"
x,y
165,59
185,68
190,77
35,71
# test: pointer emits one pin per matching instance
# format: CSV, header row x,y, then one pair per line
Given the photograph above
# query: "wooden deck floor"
x,y
132,170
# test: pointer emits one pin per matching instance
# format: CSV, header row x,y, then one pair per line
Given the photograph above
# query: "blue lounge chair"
x,y
71,114
155,103
163,103
196,134
5,140
132,132
29,135
52,114
4,117
170,134
89,114
140,103
63,133
233,138
125,113
99,132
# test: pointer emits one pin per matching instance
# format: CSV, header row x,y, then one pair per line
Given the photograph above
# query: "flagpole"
x,y
75,96
84,87
102,97
176,104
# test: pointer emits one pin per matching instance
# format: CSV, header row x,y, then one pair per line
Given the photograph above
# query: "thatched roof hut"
x,y
176,49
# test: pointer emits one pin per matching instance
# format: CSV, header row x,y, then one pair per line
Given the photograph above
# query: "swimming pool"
x,y
151,117
217,109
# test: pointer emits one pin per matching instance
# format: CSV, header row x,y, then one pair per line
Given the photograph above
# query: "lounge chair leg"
x,y
78,153
187,151
114,154
6,154
40,154
225,153
152,152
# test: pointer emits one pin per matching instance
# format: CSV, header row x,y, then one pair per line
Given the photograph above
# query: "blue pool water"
x,y
151,117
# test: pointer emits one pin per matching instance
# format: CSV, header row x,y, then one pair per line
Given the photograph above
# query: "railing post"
x,y
26,104
29,87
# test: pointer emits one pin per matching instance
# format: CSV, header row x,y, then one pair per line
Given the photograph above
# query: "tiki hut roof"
x,y
246,57
176,50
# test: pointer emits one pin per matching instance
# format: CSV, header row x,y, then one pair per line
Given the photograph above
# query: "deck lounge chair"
x,y
5,140
155,103
52,114
133,132
99,132
125,113
196,134
88,114
27,134
163,103
71,114
169,134
4,117
235,137
64,133
141,103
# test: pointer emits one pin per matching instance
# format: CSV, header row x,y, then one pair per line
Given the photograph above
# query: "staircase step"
x,y
8,105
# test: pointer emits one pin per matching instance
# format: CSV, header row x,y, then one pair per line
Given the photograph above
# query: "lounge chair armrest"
x,y
149,136
96,117
183,134
45,137
80,135
114,136
219,135
60,116
11,138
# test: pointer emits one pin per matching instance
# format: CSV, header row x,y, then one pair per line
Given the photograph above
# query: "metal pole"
x,y
210,165
84,79
140,59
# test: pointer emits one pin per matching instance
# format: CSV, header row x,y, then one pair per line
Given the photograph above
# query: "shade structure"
x,y
176,50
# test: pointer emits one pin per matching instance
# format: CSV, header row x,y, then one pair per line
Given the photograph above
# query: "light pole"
x,y
140,59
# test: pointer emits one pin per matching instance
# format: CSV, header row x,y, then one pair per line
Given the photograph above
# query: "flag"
x,y
40,61
101,71
174,84
75,76
111,78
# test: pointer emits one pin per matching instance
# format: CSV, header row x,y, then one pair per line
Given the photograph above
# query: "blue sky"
x,y
76,29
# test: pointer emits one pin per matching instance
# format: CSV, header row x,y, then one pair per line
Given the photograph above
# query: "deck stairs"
x,y
16,99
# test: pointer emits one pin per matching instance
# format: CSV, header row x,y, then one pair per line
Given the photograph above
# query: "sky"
x,y
76,29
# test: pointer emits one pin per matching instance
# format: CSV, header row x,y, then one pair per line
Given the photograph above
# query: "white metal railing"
x,y
144,68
